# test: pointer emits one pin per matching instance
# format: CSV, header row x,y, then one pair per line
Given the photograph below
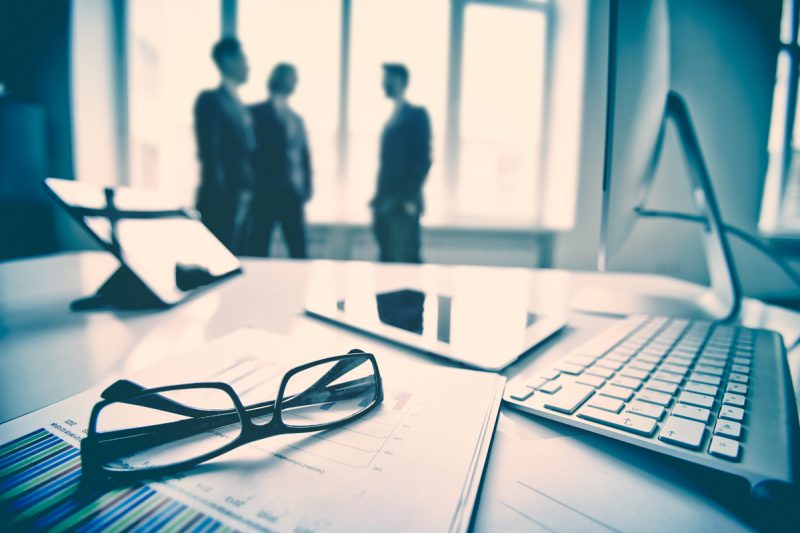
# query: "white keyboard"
x,y
716,395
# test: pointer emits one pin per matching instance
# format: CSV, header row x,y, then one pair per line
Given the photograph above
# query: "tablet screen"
x,y
434,316
171,252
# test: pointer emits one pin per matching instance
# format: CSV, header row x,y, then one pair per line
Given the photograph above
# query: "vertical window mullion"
x,y
229,11
453,128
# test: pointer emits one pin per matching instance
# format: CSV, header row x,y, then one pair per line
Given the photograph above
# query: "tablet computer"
x,y
478,331
165,252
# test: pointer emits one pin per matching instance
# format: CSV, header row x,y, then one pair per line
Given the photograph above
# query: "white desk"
x,y
48,353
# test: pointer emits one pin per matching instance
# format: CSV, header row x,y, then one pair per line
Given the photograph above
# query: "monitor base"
x,y
624,303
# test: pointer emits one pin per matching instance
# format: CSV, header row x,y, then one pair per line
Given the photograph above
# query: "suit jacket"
x,y
271,159
405,158
224,146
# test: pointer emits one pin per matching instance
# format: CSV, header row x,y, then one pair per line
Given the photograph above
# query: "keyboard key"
x,y
551,387
666,376
699,400
628,383
741,369
600,371
741,361
662,386
679,370
712,362
649,359
626,421
550,374
521,393
606,403
641,365
608,363
731,413
617,357
730,398
614,391
705,378
634,373
582,360
738,388
645,409
725,448
682,432
706,369
592,381
679,360
570,368
728,428
701,388
658,398
569,398
691,412
738,378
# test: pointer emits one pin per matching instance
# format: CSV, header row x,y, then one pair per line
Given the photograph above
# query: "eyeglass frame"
x,y
250,431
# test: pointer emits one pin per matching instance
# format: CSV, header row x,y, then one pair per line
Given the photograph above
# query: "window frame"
x,y
772,221
452,130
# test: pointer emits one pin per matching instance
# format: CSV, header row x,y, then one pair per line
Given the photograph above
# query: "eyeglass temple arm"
x,y
123,389
341,367
126,440
126,391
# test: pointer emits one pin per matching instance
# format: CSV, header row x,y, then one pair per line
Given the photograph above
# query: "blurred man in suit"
x,y
282,166
405,158
225,143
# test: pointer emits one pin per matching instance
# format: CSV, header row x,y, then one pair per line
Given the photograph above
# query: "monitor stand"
x,y
123,290
722,300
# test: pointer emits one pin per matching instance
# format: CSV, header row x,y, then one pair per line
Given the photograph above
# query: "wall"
x,y
37,124
723,63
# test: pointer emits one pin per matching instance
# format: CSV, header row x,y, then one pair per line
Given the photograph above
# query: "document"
x,y
412,464
545,477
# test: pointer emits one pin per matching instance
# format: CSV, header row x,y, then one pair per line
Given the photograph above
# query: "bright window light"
x,y
501,112
306,33
412,32
169,63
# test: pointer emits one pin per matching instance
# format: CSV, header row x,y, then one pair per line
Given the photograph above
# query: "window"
x,y
412,32
780,210
169,64
501,119
306,33
478,66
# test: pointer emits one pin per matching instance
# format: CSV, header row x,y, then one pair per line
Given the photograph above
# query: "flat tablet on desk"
x,y
480,332
166,254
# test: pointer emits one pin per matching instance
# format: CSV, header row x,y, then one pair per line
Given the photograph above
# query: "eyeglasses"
x,y
137,432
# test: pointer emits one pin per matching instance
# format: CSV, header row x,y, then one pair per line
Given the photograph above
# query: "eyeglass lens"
x,y
200,421
329,392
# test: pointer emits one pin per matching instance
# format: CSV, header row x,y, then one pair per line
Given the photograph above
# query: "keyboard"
x,y
712,394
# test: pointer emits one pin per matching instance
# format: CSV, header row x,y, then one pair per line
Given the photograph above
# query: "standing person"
x,y
225,143
282,165
405,158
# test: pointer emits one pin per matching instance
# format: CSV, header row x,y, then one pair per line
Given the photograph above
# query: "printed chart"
x,y
40,489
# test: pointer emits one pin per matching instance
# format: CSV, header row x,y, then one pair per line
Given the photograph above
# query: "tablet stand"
x,y
123,290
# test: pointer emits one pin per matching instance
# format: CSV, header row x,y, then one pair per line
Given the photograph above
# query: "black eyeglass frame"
x,y
91,460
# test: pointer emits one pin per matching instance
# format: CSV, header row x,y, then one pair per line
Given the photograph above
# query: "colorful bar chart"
x,y
40,490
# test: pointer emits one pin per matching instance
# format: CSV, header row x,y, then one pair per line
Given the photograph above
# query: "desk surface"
x,y
48,353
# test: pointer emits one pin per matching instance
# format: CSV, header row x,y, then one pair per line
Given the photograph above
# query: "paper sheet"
x,y
542,477
409,465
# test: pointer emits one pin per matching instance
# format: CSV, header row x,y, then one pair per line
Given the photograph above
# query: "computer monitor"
x,y
640,107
